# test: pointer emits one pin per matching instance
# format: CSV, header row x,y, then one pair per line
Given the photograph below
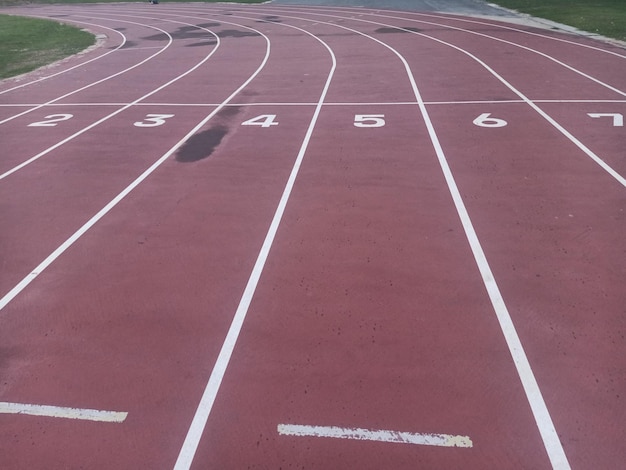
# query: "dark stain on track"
x,y
235,33
405,29
185,32
202,145
270,19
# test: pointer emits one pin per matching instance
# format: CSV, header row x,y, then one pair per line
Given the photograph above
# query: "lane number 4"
x,y
264,120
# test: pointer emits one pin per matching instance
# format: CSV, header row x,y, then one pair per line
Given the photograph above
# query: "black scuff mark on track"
x,y
201,145
323,35
209,25
387,30
200,44
128,45
235,33
229,112
184,32
270,19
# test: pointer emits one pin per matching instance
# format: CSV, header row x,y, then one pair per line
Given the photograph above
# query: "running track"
x,y
293,237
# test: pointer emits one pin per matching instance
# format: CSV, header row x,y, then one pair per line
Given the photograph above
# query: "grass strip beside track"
x,y
28,43
604,17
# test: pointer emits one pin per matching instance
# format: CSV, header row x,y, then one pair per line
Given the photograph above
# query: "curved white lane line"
x,y
194,434
34,108
586,150
118,111
530,33
535,51
75,66
534,396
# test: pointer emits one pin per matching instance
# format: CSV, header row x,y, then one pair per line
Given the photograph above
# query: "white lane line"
x,y
538,406
63,412
237,104
127,106
9,296
75,66
192,440
380,435
98,81
599,161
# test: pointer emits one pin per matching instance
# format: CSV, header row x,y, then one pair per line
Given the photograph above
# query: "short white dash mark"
x,y
63,412
424,439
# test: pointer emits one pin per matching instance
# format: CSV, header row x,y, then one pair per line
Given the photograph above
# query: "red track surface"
x,y
344,279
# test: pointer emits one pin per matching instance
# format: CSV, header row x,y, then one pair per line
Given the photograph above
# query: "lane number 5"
x,y
369,120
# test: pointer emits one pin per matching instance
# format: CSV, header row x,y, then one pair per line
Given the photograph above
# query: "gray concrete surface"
x,y
462,7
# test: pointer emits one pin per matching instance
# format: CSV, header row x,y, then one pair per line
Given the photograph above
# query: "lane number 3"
x,y
153,120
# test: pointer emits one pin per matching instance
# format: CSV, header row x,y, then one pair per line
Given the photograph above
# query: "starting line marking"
x,y
63,412
424,439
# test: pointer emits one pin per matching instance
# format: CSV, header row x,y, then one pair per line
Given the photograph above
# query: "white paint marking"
x,y
538,406
63,412
424,439
618,119
192,440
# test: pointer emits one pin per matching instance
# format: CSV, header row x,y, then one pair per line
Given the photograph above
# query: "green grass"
x,y
27,44
605,17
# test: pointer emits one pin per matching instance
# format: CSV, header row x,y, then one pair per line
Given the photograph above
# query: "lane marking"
x,y
96,45
379,435
101,80
63,412
618,119
192,440
599,161
129,105
238,104
539,409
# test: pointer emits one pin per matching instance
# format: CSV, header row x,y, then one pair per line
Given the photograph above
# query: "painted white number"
x,y
52,120
485,121
264,120
369,120
618,119
153,120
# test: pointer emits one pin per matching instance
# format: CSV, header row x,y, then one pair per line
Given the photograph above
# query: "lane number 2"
x,y
52,120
